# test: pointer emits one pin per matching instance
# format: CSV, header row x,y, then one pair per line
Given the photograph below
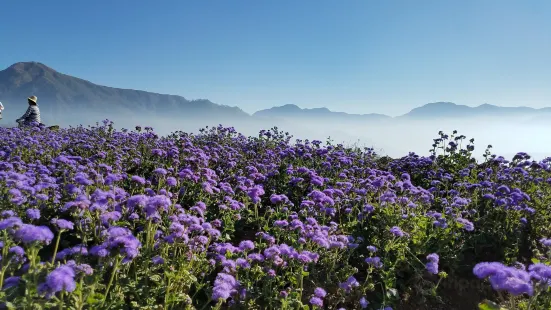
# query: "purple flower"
x,y
28,233
7,213
371,249
319,292
540,273
76,250
363,302
432,265
224,285
256,257
275,199
467,225
433,258
217,223
272,251
375,261
484,270
83,268
255,192
157,260
397,231
17,250
349,284
157,203
545,242
281,223
138,179
160,171
112,216
504,278
171,181
11,282
316,301
10,222
246,245
82,179
33,214
136,201
127,245
99,250
62,224
18,254
60,279
243,263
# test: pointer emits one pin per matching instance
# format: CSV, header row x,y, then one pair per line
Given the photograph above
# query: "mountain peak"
x,y
30,66
289,106
486,105
440,104
323,110
61,92
26,72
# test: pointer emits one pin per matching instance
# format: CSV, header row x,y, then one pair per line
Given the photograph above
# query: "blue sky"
x,y
358,56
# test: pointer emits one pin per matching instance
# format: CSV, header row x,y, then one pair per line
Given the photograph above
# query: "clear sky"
x,y
358,56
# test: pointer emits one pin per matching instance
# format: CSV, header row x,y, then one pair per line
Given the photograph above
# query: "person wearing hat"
x,y
32,115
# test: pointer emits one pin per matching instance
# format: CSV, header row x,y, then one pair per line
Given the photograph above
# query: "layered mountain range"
x,y
61,93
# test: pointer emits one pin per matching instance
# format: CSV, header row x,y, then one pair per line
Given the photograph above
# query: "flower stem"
x,y
56,246
115,267
61,302
218,305
2,276
80,301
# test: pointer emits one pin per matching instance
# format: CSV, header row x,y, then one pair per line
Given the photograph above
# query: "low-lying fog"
x,y
395,137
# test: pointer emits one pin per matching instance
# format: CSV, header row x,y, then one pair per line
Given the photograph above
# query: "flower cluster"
x,y
102,219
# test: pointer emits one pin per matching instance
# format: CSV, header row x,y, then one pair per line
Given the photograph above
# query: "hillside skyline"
x,y
27,72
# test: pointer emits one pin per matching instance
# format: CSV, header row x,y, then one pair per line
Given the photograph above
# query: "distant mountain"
x,y
437,110
65,99
59,93
430,111
291,111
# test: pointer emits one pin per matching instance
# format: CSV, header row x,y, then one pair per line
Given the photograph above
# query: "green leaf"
x,y
10,306
489,305
535,260
293,280
155,278
95,298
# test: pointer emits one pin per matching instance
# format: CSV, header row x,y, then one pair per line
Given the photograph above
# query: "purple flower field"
x,y
94,218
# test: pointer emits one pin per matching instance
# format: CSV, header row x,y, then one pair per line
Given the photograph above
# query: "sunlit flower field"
x,y
95,218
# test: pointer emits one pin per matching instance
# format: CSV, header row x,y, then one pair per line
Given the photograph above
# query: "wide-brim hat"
x,y
33,99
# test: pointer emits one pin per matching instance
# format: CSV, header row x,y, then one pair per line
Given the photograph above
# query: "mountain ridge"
x,y
294,111
61,92
453,110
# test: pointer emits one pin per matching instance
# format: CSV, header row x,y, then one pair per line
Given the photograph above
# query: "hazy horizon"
x,y
395,138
